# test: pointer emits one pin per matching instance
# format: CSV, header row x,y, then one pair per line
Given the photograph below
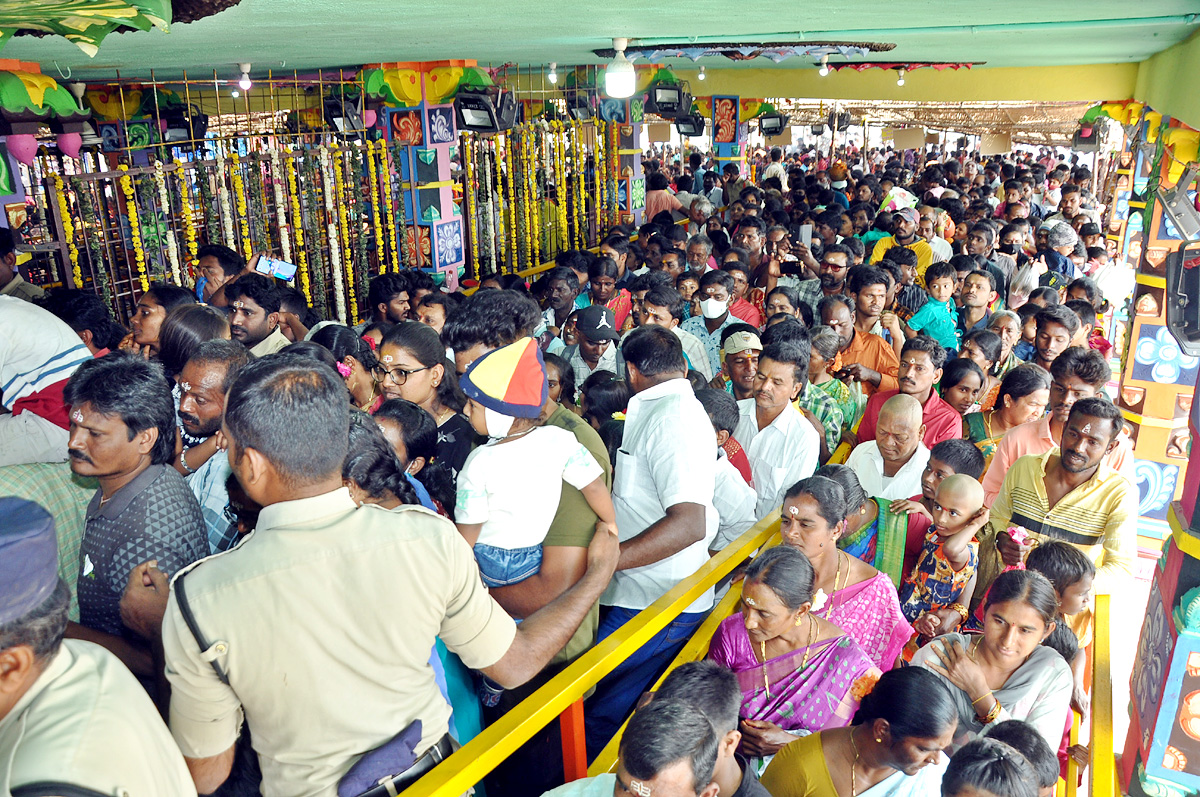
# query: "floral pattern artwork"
x,y
418,241
725,120
1156,487
112,137
638,193
405,128
1149,668
449,244
1158,358
441,126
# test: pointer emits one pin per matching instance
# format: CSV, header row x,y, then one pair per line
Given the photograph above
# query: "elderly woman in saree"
x,y
797,672
861,600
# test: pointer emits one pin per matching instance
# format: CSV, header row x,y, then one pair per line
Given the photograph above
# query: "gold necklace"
x,y
762,647
837,575
853,778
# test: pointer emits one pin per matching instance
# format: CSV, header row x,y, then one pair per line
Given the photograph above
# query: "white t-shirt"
x,y
734,500
513,488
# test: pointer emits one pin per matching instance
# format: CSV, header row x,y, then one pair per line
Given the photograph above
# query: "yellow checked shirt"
x,y
87,722
324,620
1099,517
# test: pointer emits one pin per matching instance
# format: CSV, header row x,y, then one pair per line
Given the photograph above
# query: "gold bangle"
x,y
962,610
986,694
991,716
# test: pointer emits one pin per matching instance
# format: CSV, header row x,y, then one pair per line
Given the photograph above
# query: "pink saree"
x,y
870,612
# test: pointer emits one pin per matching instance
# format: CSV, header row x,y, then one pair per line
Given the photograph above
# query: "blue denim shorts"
x,y
501,567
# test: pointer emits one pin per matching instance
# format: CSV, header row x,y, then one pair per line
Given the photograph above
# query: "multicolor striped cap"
x,y
510,380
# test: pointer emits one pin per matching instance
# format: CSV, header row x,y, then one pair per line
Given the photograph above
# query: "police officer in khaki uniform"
x,y
317,628
73,720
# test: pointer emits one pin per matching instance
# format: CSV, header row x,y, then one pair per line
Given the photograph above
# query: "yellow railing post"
x,y
1103,766
481,755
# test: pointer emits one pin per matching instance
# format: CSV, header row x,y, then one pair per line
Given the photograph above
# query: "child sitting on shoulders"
x,y
935,594
508,489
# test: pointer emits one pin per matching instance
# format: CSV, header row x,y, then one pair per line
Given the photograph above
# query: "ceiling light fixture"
x,y
900,79
701,76
244,84
235,94
553,76
824,65
620,80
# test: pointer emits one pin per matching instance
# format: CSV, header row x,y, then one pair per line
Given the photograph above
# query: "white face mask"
x,y
497,423
713,308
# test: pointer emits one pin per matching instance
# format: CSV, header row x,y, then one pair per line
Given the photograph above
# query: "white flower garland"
x,y
335,254
160,179
285,240
226,212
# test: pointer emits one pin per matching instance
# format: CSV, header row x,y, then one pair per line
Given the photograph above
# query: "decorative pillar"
x,y
628,115
420,118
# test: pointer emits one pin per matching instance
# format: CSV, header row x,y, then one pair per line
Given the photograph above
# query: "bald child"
x,y
934,596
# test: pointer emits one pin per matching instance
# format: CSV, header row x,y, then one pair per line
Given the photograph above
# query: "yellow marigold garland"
x,y
389,210
189,218
239,196
376,216
510,188
64,213
298,230
135,228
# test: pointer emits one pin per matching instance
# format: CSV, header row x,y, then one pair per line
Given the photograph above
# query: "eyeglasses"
x,y
397,376
832,266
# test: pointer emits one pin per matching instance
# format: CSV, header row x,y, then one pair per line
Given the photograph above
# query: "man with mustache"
x,y
831,276
1068,494
123,433
203,383
1075,374
921,363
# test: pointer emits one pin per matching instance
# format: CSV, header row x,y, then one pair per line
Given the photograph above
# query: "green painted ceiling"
x,y
307,34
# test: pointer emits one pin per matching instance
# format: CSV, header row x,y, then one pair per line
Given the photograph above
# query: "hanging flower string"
x,y
164,204
64,213
301,252
389,210
470,187
277,183
376,211
402,214
239,194
486,162
331,218
189,219
344,227
135,228
227,236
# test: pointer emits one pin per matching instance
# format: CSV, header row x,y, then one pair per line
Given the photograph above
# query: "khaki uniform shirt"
x,y
21,289
87,722
270,344
323,620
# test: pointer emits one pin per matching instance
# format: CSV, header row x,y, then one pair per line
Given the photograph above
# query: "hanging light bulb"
x,y
900,79
244,84
824,65
620,80
701,76
235,94
553,76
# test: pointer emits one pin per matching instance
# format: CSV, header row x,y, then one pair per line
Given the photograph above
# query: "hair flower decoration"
x,y
618,416
819,600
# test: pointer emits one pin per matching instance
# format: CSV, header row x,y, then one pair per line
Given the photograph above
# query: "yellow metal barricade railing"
x,y
563,694
1104,764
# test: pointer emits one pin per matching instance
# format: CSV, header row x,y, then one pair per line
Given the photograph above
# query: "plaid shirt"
x,y
208,485
826,410
65,496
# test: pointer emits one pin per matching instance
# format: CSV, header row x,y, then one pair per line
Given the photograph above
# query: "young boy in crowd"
x,y
1025,739
938,317
944,575
733,498
1024,348
945,459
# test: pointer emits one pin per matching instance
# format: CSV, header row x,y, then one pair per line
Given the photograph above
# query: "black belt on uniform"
x,y
394,784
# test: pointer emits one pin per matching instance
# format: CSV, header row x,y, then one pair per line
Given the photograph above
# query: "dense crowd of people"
x,y
245,549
